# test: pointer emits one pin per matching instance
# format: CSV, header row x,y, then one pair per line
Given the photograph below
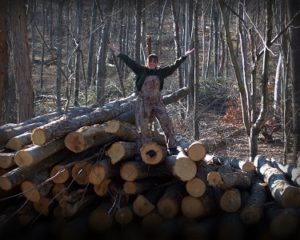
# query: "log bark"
x,y
229,180
61,127
152,153
252,212
121,150
35,154
17,175
246,166
283,192
291,171
87,137
7,160
181,166
196,151
19,142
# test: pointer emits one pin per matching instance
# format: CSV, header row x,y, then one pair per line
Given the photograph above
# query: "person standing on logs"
x,y
149,83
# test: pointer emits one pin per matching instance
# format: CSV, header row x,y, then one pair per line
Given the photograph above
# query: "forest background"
x,y
243,76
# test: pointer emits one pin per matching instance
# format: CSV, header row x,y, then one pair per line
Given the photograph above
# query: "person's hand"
x,y
189,52
115,50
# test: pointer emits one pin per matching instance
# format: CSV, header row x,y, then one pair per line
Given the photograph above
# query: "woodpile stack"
x,y
83,169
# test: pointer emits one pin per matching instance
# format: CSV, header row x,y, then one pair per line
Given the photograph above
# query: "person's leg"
x,y
142,118
166,124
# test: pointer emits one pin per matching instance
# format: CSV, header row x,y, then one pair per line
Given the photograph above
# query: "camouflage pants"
x,y
144,115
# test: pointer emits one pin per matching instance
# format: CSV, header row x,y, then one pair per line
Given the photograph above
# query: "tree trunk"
x,y
22,64
293,8
4,58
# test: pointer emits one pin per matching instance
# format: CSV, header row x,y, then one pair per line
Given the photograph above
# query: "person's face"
x,y
152,63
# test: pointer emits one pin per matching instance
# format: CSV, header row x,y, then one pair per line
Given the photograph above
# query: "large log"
x,y
246,166
61,127
291,171
17,175
101,170
196,187
10,130
231,200
81,170
121,151
36,154
139,186
252,212
181,166
20,141
283,192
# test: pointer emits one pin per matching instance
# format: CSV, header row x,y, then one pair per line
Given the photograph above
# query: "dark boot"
x,y
173,151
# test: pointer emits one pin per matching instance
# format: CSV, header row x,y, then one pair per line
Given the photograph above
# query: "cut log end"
x,y
7,160
167,207
124,216
195,187
5,183
116,152
214,179
75,142
192,207
129,171
42,206
130,187
59,174
23,159
81,172
102,188
38,136
30,191
112,126
248,166
142,206
185,169
97,174
196,151
152,153
230,201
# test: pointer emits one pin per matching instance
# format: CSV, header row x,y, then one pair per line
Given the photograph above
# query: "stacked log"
x,y
87,163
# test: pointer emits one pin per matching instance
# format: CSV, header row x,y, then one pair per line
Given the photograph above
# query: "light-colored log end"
x,y
38,136
97,174
196,151
112,126
59,174
129,171
214,179
195,187
231,201
74,141
81,172
152,153
42,206
116,152
7,160
248,166
23,158
185,169
30,191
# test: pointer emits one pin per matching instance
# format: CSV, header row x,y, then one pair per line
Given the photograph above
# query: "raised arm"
x,y
168,70
133,65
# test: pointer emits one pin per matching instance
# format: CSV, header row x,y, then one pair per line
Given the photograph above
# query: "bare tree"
x,y
21,60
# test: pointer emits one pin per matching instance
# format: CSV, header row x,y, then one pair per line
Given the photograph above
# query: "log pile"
x,y
84,171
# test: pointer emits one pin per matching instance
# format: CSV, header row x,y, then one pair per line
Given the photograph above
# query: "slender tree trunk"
x,y
138,31
196,72
293,8
207,64
59,55
78,51
4,58
91,45
43,46
216,41
22,64
102,53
